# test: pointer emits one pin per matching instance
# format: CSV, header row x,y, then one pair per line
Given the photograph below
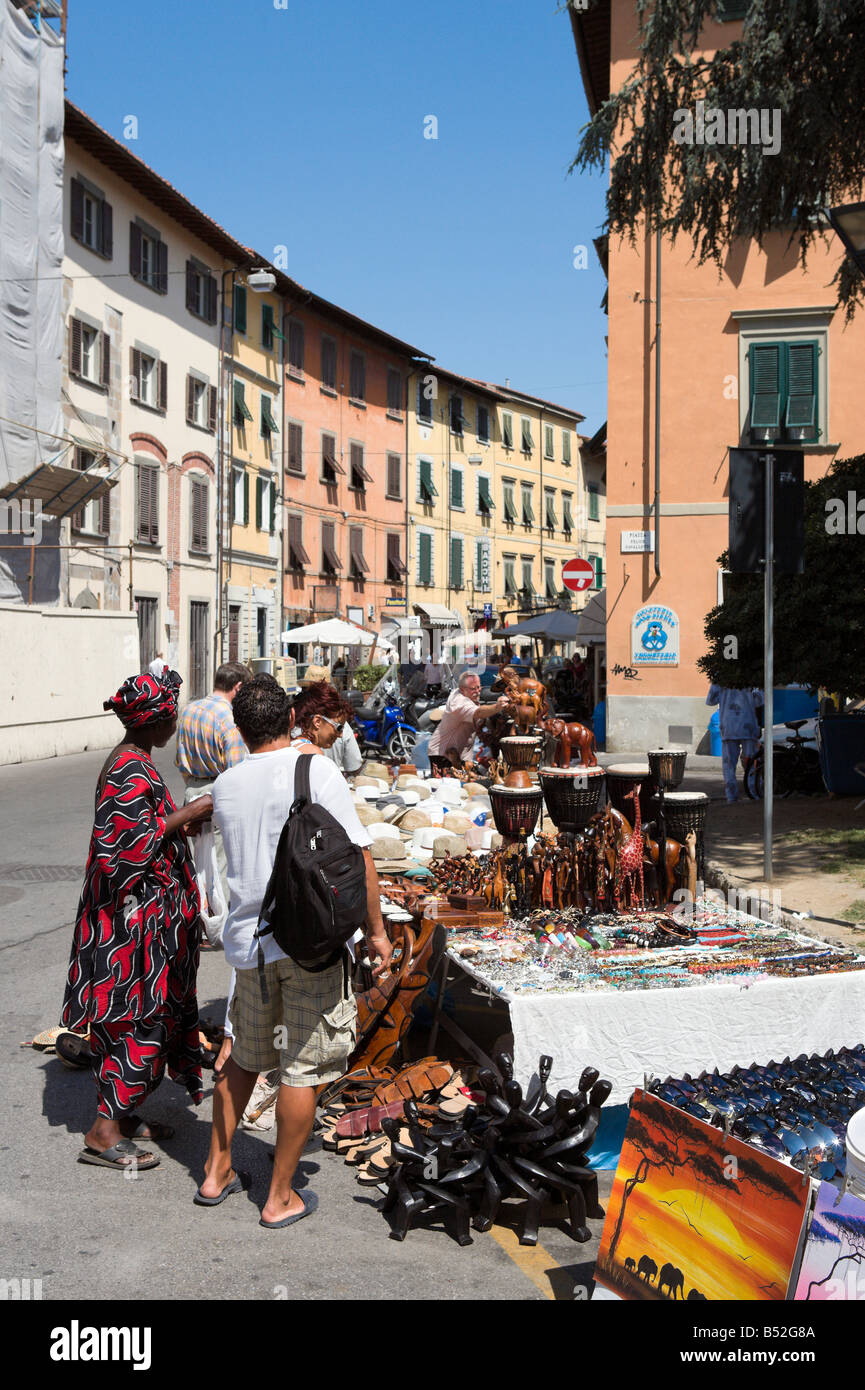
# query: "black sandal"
x,y
124,1154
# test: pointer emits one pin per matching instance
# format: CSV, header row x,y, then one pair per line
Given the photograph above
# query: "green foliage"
x,y
819,615
804,58
367,677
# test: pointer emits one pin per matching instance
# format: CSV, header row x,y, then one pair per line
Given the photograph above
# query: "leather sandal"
x,y
417,1080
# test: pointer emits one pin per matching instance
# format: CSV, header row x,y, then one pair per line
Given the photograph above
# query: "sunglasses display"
x,y
796,1110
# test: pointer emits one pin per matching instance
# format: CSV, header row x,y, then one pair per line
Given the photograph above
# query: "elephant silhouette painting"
x,y
697,1210
673,1280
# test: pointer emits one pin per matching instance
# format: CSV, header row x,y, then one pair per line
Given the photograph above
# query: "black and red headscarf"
x,y
146,699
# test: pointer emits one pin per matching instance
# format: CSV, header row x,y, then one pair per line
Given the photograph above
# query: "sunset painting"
x,y
696,1214
834,1262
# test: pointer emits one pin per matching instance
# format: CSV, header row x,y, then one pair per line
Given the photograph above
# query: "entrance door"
x,y
198,649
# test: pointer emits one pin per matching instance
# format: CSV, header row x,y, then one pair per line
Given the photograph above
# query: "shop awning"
x,y
592,629
437,615
60,491
558,626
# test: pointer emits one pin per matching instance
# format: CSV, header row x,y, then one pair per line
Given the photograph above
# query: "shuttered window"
x,y
526,441
567,518
483,424
550,511
566,446
427,491
509,506
328,363
330,562
147,504
509,562
148,259
528,586
295,448
357,378
457,488
485,500
200,292
507,430
198,530
548,442
766,372
527,508
242,412
359,476
456,414
598,562
297,556
295,346
89,354
268,420
456,568
94,518
594,503
732,9
394,475
358,564
424,558
425,400
394,391
91,220
330,464
784,391
550,580
240,497
240,308
396,570
267,327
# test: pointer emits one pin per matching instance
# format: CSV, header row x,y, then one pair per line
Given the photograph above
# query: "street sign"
x,y
637,542
488,610
578,574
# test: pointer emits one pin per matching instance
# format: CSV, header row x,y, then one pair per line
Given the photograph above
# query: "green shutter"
x,y
456,487
267,326
259,510
801,413
456,563
242,411
245,498
766,371
239,309
510,509
424,558
598,562
594,510
566,446
272,506
427,487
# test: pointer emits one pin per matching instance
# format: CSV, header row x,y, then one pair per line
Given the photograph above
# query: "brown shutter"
x,y
106,360
297,556
330,559
135,373
295,448
210,299
162,386
75,347
328,454
105,514
190,286
154,504
141,493
394,471
161,280
212,407
190,400
106,230
395,566
135,250
76,200
356,550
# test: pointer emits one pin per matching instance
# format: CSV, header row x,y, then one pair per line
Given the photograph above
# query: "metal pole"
x,y
768,665
131,597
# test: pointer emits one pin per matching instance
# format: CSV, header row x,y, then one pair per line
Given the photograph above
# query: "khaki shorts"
x,y
307,1028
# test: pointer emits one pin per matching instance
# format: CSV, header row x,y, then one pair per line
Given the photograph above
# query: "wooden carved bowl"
x,y
518,777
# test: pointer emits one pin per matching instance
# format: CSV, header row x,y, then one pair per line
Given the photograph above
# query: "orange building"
x,y
344,431
721,336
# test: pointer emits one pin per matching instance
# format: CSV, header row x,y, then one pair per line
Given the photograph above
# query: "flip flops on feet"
x,y
124,1154
310,1204
237,1184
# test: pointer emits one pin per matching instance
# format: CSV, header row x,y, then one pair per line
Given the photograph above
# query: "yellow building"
x,y
252,473
451,496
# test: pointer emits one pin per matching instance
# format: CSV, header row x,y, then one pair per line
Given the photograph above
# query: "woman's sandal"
x,y
362,1152
124,1154
149,1129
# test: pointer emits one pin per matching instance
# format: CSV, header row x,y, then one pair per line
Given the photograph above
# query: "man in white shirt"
x,y
308,1025
433,675
452,743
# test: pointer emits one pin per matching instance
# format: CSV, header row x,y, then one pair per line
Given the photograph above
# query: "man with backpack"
x,y
305,881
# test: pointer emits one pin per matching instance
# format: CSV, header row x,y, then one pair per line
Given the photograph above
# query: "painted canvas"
x,y
696,1214
834,1263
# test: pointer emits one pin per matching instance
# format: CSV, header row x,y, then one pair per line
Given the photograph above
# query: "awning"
x,y
330,632
438,615
60,491
592,628
558,625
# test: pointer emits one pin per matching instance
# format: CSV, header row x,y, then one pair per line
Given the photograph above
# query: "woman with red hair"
x,y
323,721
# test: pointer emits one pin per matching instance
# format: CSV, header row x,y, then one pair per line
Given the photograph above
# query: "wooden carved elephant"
x,y
570,737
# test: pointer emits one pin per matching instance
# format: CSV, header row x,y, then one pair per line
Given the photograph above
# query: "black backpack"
x,y
315,899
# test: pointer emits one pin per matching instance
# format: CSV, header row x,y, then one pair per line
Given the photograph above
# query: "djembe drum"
x,y
515,810
684,811
667,766
521,750
621,779
572,795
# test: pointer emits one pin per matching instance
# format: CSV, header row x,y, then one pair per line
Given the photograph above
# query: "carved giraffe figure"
x,y
629,857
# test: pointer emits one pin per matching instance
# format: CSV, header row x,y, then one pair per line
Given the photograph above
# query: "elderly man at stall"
x,y
452,743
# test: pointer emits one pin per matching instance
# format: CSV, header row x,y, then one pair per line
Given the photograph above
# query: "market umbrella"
x,y
331,632
558,625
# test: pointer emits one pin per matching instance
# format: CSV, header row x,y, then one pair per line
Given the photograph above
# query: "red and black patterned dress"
x,y
132,974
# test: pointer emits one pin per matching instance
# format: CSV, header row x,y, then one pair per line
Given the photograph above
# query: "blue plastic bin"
x,y
715,735
599,724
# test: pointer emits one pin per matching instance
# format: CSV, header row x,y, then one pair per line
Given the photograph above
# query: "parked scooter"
x,y
382,725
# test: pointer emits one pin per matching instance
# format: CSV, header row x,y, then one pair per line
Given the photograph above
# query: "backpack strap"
x,y
301,779
301,793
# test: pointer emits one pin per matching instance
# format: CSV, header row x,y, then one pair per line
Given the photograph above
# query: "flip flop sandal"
x,y
74,1051
44,1041
310,1204
237,1184
455,1106
360,1153
158,1131
379,1167
124,1154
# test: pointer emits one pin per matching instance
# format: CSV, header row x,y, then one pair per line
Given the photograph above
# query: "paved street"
x,y
88,1232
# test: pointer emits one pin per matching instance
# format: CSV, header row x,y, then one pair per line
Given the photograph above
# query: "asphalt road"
x,y
90,1233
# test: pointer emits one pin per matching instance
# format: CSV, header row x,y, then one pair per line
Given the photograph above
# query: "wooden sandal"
x,y
363,1151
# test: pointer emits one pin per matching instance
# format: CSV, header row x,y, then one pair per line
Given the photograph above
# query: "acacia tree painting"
x,y
804,59
843,1228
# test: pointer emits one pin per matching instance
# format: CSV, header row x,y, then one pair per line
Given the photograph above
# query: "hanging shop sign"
x,y
655,636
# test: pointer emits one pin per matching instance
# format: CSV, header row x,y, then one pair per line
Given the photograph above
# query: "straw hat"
x,y
454,845
413,820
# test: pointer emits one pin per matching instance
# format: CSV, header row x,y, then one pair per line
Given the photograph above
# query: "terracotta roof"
x,y
592,37
512,393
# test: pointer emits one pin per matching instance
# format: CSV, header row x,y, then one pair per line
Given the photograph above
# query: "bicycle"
x,y
796,767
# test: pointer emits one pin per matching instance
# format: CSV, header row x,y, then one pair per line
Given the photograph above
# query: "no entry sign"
x,y
578,574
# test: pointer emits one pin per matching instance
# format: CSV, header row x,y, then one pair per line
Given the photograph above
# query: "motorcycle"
x,y
382,726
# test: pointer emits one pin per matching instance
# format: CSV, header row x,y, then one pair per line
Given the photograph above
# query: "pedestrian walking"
x,y
131,978
740,729
322,720
307,1026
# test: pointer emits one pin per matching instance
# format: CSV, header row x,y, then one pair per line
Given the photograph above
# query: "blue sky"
x,y
304,127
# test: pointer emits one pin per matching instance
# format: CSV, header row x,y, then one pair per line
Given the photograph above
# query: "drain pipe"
x,y
657,501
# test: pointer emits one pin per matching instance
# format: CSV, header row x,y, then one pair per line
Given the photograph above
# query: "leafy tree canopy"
x,y
819,615
803,58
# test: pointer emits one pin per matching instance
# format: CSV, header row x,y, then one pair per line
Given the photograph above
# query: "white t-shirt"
x,y
251,802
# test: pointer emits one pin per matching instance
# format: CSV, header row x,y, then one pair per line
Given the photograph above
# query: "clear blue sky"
x,y
304,127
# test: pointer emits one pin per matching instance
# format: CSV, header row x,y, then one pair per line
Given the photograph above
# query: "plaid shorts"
x,y
307,1028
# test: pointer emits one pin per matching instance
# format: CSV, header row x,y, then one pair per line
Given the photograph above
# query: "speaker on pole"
x,y
747,545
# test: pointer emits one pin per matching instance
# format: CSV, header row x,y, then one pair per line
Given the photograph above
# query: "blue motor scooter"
x,y
382,725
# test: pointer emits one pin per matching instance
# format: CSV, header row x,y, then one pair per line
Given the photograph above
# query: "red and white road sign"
x,y
578,574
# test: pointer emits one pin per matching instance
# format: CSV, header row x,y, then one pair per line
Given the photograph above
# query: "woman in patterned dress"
x,y
132,974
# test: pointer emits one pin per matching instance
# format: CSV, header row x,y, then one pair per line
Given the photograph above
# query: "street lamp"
x,y
849,223
261,281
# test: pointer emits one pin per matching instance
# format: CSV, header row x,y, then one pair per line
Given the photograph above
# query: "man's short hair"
x,y
467,676
262,710
229,674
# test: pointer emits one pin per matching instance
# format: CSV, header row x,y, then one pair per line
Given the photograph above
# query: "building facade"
x,y
144,272
764,335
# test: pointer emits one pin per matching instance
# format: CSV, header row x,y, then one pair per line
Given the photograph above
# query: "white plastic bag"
x,y
210,886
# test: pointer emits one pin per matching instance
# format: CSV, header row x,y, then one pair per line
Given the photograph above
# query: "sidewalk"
x,y
818,851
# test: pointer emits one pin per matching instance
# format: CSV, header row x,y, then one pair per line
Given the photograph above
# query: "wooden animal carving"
x,y
691,867
527,697
570,737
672,856
384,1012
629,859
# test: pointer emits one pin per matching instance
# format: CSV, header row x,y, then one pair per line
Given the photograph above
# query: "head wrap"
x,y
146,699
